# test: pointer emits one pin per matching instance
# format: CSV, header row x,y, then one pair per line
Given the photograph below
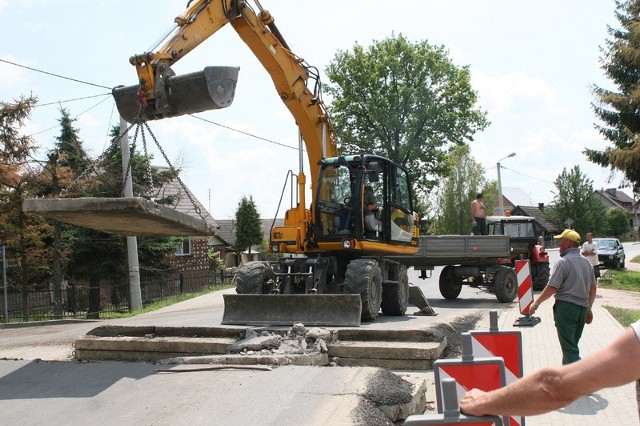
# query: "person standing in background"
x,y
479,215
590,251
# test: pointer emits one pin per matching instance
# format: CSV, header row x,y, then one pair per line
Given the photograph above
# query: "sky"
x,y
532,64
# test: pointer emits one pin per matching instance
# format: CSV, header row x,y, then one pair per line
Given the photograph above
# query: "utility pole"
x,y
135,295
4,280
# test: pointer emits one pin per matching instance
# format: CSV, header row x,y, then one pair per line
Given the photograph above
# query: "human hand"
x,y
589,316
533,308
469,401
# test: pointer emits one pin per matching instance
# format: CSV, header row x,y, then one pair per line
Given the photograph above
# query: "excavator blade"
x,y
287,309
211,88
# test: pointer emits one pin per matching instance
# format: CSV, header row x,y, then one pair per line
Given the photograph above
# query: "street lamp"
x,y
500,183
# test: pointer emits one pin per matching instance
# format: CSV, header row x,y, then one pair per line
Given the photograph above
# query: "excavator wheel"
x,y
364,277
252,276
395,295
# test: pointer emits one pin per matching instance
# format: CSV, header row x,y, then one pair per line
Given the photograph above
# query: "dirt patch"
x,y
453,332
367,414
387,388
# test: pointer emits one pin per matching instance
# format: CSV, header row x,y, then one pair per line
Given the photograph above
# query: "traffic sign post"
x,y
469,372
451,415
525,294
504,344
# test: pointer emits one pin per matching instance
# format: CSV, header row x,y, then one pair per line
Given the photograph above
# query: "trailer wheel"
x,y
506,285
364,277
540,278
395,296
450,285
251,277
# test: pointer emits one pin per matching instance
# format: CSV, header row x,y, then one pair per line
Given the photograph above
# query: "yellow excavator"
x,y
339,256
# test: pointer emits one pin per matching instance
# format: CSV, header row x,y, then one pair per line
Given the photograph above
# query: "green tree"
x,y
576,200
616,222
248,225
619,109
457,192
97,255
66,162
22,233
406,101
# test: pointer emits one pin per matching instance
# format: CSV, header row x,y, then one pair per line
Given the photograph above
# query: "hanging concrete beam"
x,y
122,216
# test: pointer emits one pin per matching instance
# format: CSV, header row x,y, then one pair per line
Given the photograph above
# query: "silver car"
x,y
610,252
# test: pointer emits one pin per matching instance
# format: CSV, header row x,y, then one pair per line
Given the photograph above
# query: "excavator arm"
x,y
162,94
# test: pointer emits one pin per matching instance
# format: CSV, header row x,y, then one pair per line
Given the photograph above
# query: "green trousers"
x,y
569,320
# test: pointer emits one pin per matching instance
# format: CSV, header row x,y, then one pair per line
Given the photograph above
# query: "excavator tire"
x,y
450,285
506,285
364,277
395,295
251,277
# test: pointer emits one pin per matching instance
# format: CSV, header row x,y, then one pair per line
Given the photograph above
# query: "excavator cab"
x,y
366,197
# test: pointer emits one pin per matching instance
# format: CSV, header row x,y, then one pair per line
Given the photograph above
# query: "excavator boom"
x,y
340,279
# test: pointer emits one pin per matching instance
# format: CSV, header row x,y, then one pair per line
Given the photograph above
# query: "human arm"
x,y
589,249
592,298
554,387
546,293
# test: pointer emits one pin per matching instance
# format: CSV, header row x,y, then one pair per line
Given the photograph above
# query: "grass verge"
x,y
622,280
161,303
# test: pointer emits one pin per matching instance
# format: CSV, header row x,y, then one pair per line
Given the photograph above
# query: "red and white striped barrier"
x,y
525,294
525,286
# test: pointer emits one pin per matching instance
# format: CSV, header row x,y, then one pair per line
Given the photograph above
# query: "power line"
x,y
98,85
244,133
530,177
70,100
55,75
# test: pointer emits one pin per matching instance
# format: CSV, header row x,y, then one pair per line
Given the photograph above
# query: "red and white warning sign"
x,y
508,346
482,373
505,344
525,287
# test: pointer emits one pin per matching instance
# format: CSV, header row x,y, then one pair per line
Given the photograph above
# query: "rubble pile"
x,y
298,340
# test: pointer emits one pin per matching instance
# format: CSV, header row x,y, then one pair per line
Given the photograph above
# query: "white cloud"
x,y
13,77
502,94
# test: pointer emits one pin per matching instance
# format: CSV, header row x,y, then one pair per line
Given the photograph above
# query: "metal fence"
x,y
93,302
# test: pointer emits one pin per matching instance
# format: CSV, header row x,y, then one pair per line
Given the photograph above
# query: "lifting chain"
x,y
140,126
173,170
91,167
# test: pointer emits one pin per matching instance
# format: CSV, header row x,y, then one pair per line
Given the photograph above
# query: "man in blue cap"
x,y
573,284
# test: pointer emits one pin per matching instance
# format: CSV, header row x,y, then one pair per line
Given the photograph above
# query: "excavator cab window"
x,y
402,223
373,200
335,200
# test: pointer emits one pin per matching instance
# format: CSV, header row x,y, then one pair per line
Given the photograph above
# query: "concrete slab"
x,y
310,360
161,345
123,216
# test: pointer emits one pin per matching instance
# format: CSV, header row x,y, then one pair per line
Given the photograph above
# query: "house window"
x,y
184,248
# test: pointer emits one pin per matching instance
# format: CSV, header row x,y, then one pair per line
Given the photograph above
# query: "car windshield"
x,y
606,244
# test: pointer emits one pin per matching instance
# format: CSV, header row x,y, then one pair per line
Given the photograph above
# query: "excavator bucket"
x,y
211,88
287,309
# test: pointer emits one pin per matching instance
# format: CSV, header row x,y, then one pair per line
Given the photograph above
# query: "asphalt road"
x,y
33,391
